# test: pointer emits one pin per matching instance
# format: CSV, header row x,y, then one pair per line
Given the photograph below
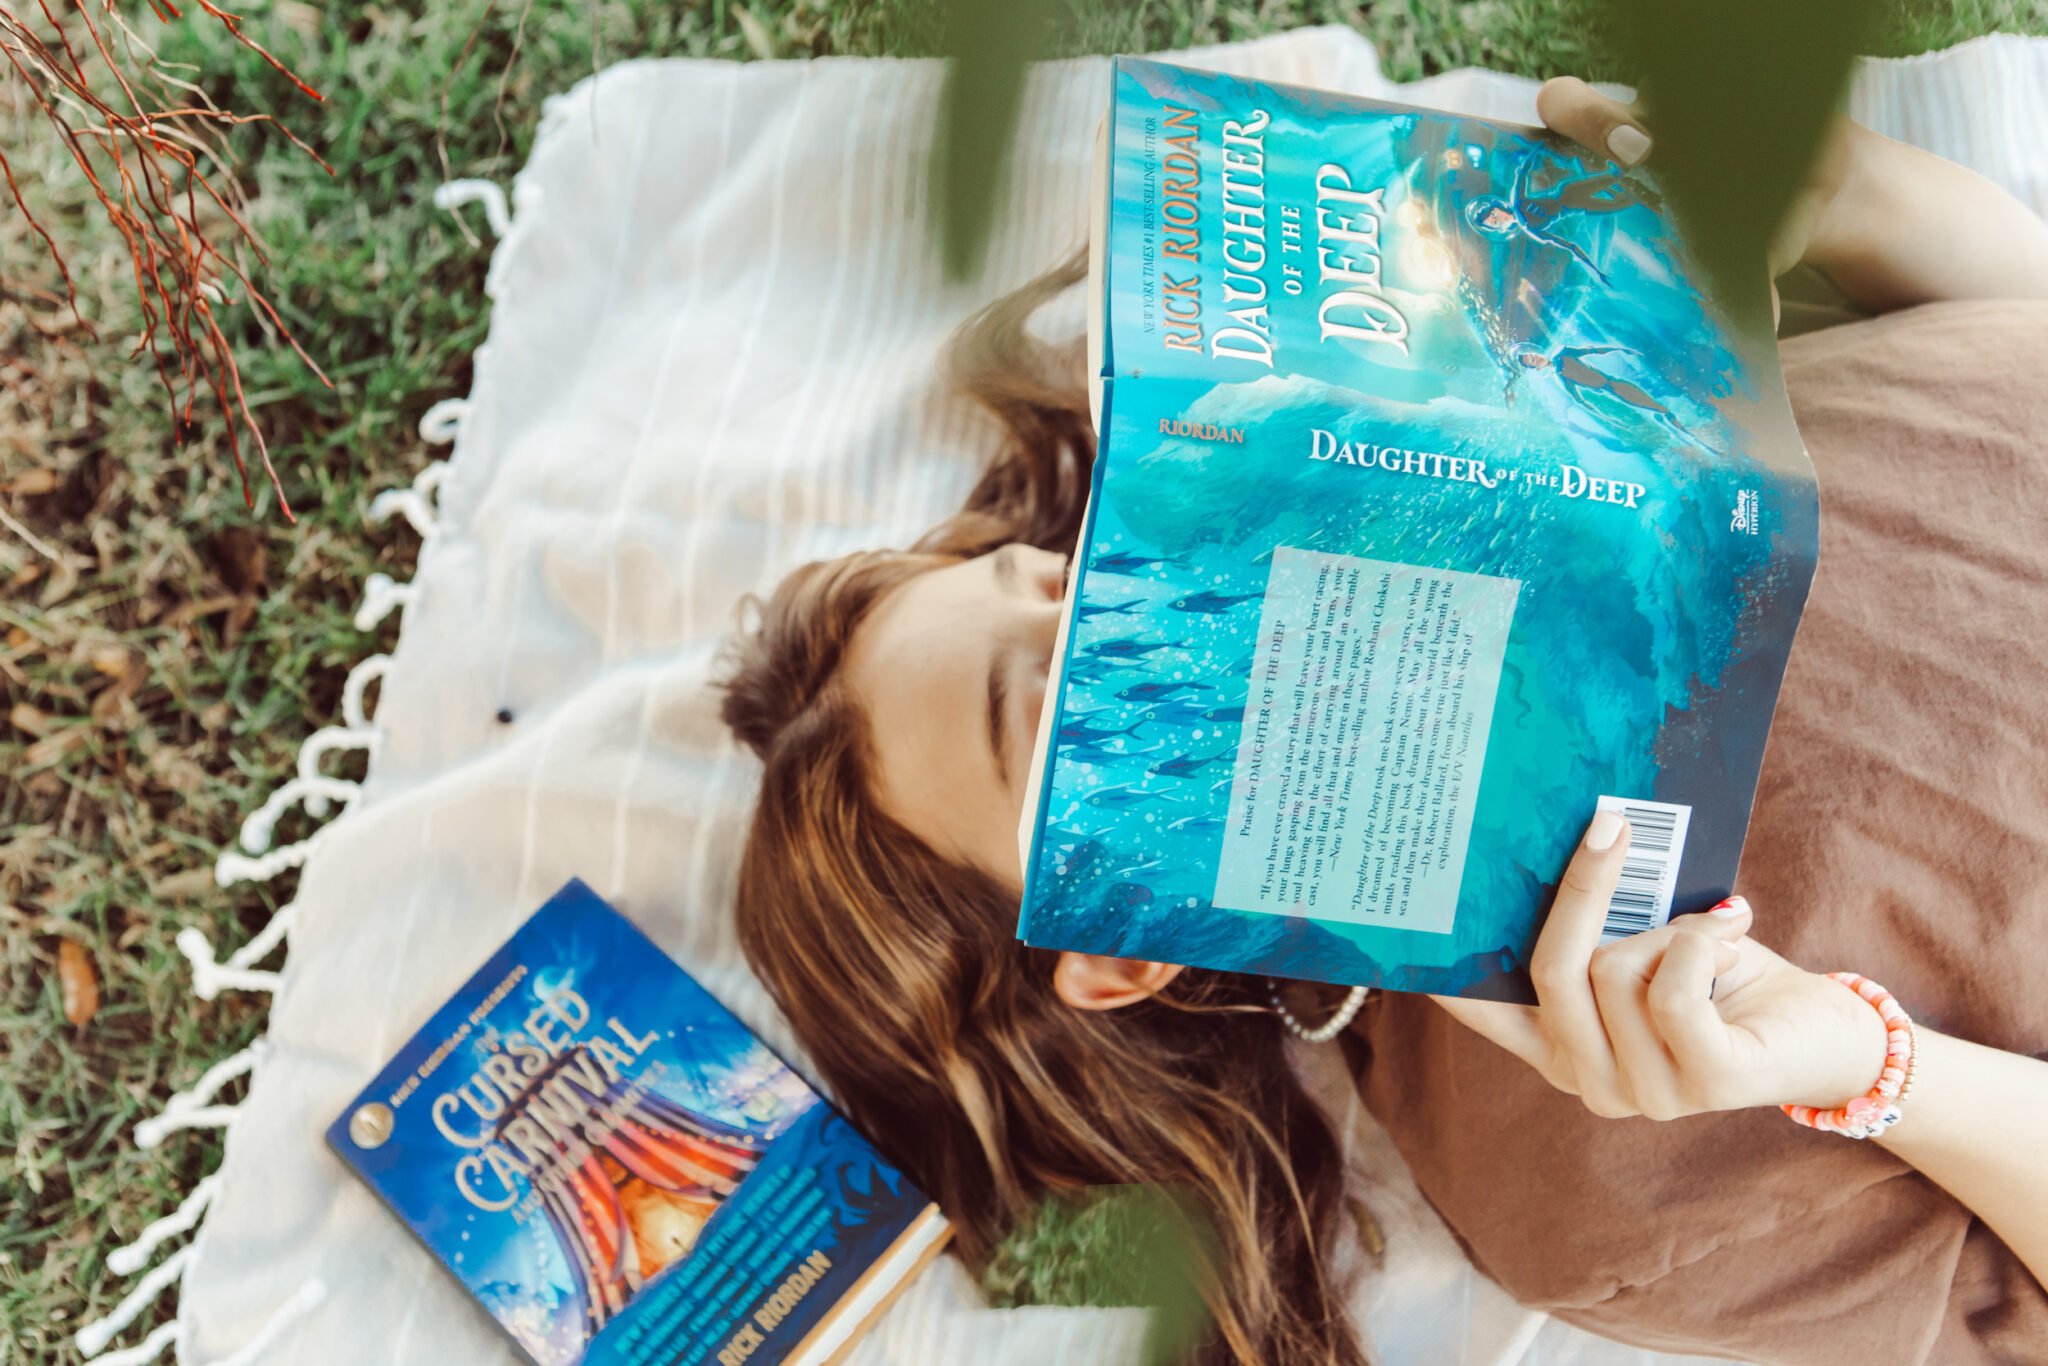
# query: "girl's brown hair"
x,y
939,1033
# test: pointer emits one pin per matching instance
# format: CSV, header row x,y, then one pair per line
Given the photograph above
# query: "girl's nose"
x,y
1047,571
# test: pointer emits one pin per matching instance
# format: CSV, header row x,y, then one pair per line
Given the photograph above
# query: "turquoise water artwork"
x,y
1437,504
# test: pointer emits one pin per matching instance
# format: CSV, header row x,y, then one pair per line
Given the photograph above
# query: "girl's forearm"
x,y
1976,1124
1909,227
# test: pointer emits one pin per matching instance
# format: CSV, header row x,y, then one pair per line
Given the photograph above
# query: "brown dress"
x,y
1901,830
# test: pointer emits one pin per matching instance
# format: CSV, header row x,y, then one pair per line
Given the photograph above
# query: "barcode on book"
x,y
1649,871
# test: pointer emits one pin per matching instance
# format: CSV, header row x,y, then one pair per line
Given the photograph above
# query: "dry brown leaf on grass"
x,y
193,882
63,580
129,672
54,746
25,716
78,982
19,856
185,613
34,484
110,659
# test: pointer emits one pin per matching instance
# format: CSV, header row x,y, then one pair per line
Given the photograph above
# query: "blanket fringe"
x,y
93,1338
308,1297
258,861
182,1110
132,1258
149,1349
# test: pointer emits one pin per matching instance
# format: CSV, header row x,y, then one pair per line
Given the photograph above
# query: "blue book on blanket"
x,y
1437,502
620,1172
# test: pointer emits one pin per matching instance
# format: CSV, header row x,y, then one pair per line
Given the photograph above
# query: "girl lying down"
x,y
1616,1154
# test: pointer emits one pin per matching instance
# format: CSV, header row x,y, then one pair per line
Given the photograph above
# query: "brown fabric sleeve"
x,y
1900,829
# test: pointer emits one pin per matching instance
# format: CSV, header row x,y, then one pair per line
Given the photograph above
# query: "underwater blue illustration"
x,y
1435,501
612,1164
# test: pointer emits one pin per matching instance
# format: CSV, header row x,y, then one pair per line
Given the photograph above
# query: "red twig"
x,y
153,171
233,23
70,289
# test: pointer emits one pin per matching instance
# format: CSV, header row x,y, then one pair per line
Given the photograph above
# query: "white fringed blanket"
x,y
711,357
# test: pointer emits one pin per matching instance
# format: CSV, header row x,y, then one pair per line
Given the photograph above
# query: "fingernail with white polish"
x,y
1629,144
1731,908
1604,830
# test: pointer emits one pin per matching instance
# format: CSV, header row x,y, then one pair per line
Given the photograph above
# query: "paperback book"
x,y
1437,503
620,1172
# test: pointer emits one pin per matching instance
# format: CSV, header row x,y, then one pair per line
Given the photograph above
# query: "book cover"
x,y
1437,502
620,1172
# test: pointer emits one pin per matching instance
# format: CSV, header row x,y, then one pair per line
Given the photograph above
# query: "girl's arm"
x,y
1976,1124
1908,227
1890,224
1697,1016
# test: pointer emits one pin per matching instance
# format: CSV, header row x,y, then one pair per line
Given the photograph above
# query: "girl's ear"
x,y
1087,982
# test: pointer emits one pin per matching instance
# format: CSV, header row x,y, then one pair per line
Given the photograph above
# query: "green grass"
x,y
232,630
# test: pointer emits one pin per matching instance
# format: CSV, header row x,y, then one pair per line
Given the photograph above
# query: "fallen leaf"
x,y
202,607
78,982
34,484
175,771
63,579
112,660
33,719
55,324
53,747
193,882
111,704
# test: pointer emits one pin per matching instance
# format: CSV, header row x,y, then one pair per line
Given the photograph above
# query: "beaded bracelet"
x,y
1872,1113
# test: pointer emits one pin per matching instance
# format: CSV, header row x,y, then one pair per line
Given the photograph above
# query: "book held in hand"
x,y
620,1172
1438,501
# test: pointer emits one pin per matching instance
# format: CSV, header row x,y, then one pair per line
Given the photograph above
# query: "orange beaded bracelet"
x,y
1872,1113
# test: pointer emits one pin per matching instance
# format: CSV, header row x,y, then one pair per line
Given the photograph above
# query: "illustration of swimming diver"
x,y
1536,216
1583,383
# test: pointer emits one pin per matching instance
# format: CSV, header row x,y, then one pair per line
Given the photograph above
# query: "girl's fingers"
x,y
1513,1027
1645,1073
1569,106
1650,1073
1562,962
1681,1004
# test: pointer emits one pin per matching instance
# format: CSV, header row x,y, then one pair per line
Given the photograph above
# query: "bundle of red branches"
x,y
155,151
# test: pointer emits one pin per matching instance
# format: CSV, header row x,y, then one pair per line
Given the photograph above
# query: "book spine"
x,y
1076,588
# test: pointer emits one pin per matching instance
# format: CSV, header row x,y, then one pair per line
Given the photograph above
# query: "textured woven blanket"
x,y
715,315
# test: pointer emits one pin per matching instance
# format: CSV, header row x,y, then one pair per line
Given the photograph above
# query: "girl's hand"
x,y
1689,1018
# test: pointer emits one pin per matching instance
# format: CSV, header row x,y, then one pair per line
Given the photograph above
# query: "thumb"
x,y
1567,105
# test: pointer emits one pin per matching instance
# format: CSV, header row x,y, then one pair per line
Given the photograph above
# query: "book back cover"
x,y
1437,502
